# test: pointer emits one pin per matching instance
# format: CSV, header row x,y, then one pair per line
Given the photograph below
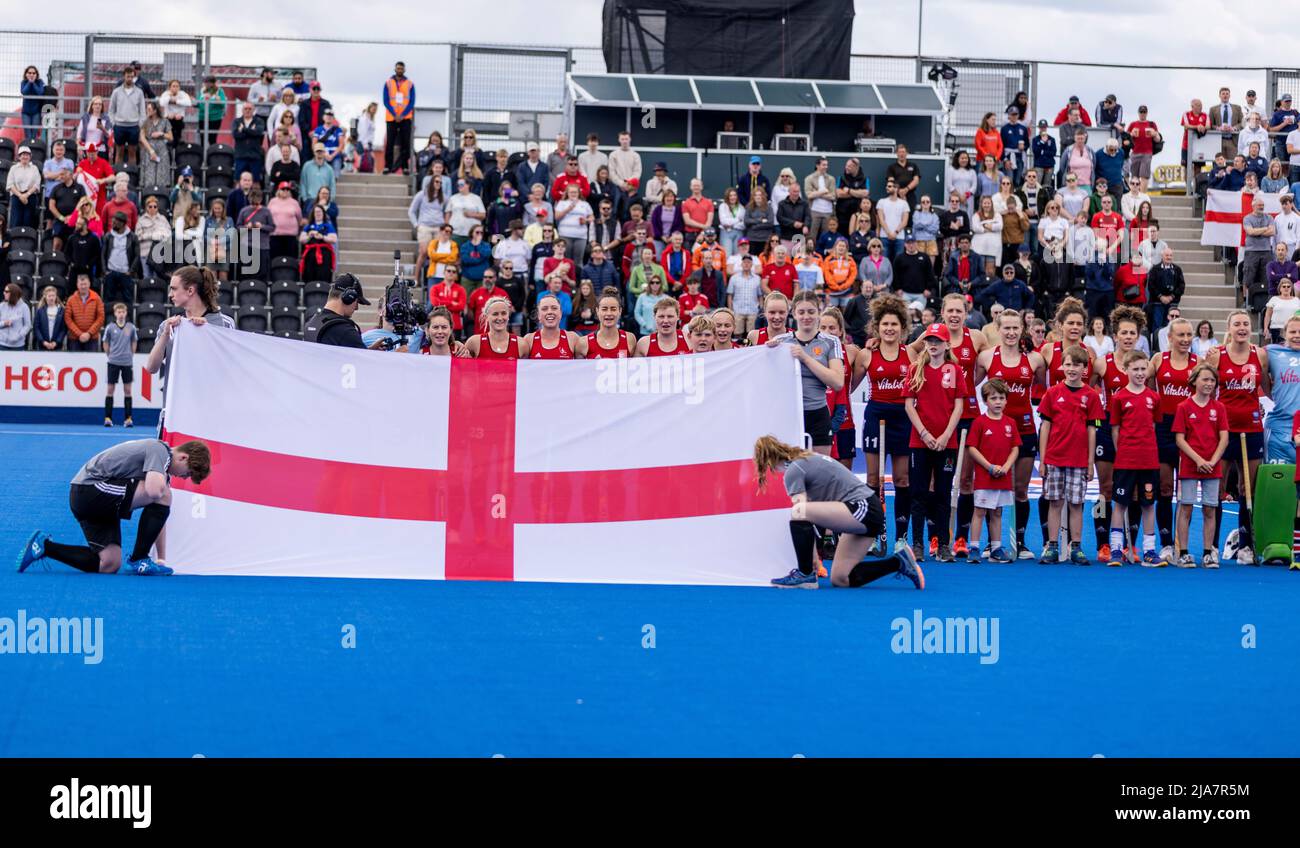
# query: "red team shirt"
x,y
655,350
1241,402
1020,380
965,353
1200,426
781,278
485,350
888,377
934,400
995,438
1135,414
1173,384
560,351
1056,364
623,348
1070,411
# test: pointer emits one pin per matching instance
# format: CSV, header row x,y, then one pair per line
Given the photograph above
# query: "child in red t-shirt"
x,y
1070,412
1133,413
993,446
1201,433
693,303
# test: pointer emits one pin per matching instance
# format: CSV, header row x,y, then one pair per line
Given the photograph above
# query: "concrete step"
x,y
382,233
357,203
394,192
374,218
1218,301
345,179
352,244
371,257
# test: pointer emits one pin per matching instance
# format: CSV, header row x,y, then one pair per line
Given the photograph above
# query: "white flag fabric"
x,y
1225,211
340,462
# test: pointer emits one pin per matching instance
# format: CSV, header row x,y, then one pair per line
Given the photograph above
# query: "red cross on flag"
x,y
336,462
1225,211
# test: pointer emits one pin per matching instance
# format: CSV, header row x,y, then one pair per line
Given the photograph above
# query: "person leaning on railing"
x,y
32,89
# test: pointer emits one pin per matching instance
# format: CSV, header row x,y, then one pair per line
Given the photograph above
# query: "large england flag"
x,y
1225,211
347,463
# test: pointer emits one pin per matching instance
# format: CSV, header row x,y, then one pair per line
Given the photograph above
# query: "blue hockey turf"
x,y
1117,662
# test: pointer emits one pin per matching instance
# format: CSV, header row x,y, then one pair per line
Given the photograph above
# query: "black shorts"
x,y
898,428
1254,446
1142,483
846,444
1105,444
1166,447
100,509
1028,446
817,424
126,135
870,513
125,372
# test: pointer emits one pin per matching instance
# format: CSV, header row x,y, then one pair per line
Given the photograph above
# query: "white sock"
x,y
1116,541
974,545
1149,542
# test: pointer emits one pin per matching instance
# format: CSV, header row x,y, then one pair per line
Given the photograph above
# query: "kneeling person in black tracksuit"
x,y
826,494
107,489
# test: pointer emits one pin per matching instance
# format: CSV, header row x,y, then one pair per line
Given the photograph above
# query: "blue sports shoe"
x,y
146,568
33,550
908,568
796,579
999,555
1151,559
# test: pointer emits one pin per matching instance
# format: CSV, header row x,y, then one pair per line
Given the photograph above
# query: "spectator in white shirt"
x,y
263,95
1162,337
464,209
287,104
625,164
591,159
1253,131
1287,225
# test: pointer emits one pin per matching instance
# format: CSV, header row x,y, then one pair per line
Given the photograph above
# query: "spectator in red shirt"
x,y
1131,282
1109,227
780,275
482,295
697,213
95,172
571,175
1144,134
1064,115
693,303
121,202
450,294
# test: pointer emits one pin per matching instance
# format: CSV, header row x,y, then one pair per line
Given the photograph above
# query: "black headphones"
x,y
349,288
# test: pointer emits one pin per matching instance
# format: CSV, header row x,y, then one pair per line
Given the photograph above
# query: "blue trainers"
x,y
1151,559
1051,554
1078,557
907,567
33,550
796,579
146,568
999,555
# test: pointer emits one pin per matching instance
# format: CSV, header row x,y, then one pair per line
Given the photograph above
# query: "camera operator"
x,y
333,325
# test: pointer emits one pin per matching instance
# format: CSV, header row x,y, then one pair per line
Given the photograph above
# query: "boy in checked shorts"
x,y
1071,412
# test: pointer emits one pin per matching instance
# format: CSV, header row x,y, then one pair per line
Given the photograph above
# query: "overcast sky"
x,y
1130,35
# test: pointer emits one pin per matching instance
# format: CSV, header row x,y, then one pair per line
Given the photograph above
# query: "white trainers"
x,y
1211,559
1167,554
1232,544
1246,556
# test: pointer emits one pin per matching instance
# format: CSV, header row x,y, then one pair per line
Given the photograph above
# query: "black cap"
x,y
344,282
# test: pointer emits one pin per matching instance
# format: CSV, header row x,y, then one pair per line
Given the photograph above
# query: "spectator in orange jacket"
x,y
988,139
84,315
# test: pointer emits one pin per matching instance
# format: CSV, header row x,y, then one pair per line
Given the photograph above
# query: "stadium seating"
x,y
188,154
23,262
314,296
286,293
7,150
226,294
146,338
24,282
230,311
132,175
39,149
220,156
212,194
53,262
23,238
151,290
253,319
163,194
252,293
150,315
4,180
287,319
59,282
284,268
